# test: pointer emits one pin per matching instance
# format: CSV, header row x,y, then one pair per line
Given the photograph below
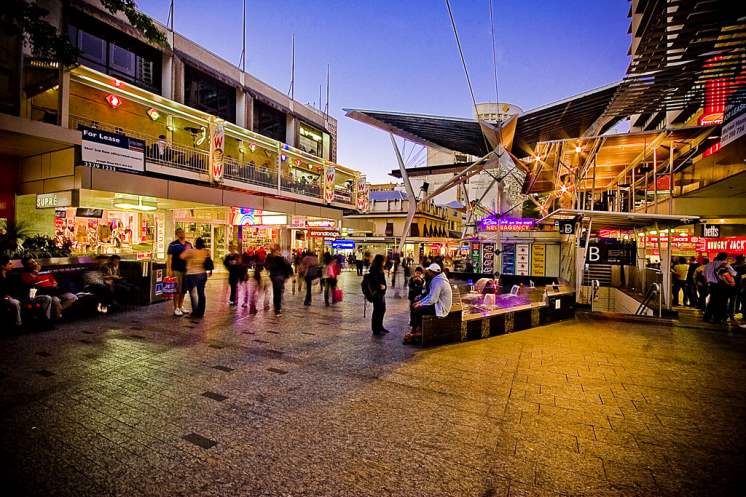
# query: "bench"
x,y
514,313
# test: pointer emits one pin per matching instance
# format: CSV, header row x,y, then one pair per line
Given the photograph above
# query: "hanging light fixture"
x,y
153,114
252,146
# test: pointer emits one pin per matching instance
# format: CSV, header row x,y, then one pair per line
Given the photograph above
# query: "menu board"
x,y
522,259
488,258
508,259
476,257
538,259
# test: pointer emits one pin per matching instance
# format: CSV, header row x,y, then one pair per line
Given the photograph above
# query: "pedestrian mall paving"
x,y
309,403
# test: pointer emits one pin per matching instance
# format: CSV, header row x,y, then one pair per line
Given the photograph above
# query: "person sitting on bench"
x,y
437,302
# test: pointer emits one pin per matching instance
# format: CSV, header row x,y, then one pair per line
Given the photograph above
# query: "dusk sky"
x,y
400,55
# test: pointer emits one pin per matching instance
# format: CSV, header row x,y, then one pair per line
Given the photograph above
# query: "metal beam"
x,y
412,204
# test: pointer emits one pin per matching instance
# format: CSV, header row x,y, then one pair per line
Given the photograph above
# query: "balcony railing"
x,y
312,189
250,173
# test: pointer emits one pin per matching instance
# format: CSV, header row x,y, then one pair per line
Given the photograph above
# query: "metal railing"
x,y
653,291
290,184
248,172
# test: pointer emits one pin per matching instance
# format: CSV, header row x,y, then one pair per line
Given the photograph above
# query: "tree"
x,y
27,19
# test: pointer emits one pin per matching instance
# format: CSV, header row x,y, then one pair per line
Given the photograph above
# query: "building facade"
x,y
112,155
435,229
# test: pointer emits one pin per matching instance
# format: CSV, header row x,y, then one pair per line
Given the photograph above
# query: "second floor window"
x,y
128,63
209,95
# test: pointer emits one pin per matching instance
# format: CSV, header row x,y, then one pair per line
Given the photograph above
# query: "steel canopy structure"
x,y
620,220
562,119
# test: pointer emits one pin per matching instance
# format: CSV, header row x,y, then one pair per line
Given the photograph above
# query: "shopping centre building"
x,y
112,155
632,173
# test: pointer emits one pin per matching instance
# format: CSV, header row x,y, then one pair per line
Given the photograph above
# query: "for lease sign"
x,y
112,151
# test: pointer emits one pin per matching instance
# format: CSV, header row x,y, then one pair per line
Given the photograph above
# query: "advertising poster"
x,y
217,150
361,194
329,178
488,258
112,151
522,259
538,259
476,257
508,259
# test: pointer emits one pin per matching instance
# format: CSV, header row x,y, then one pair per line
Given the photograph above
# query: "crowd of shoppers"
x,y
716,287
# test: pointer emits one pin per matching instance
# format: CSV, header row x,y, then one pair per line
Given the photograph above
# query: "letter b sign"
x,y
594,255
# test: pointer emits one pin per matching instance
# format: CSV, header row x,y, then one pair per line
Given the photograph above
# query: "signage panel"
x,y
488,258
476,257
329,179
112,151
522,259
566,227
342,244
538,259
613,252
508,255
52,200
711,230
217,150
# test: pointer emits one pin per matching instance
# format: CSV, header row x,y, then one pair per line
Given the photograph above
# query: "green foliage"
x,y
17,241
43,247
27,19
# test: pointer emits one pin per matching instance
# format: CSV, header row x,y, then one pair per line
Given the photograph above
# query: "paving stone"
x,y
576,408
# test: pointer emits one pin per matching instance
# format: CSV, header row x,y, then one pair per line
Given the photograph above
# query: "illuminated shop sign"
x,y
732,246
343,244
323,233
321,223
52,200
244,216
491,223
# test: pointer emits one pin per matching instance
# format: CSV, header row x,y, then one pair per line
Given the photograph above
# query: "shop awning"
x,y
620,220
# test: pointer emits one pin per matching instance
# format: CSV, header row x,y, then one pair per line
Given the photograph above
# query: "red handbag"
x,y
338,295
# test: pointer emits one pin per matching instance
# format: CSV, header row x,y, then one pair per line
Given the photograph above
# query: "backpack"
x,y
208,264
365,286
726,278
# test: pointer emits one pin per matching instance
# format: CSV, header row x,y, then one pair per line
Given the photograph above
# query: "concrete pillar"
x,y
177,83
249,100
64,99
167,76
290,130
240,108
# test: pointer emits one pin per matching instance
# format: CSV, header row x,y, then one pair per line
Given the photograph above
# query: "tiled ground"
x,y
310,404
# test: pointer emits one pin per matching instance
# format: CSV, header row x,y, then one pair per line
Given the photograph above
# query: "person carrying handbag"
x,y
198,266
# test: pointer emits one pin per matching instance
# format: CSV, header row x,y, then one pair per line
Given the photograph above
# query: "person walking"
x,y
279,270
311,271
332,269
378,290
236,273
739,307
258,284
691,285
678,281
198,266
176,268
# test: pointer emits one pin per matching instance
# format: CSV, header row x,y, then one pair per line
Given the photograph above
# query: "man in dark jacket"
x,y
236,272
279,270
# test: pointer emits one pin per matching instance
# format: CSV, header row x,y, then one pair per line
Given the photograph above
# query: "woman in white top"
x,y
196,275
